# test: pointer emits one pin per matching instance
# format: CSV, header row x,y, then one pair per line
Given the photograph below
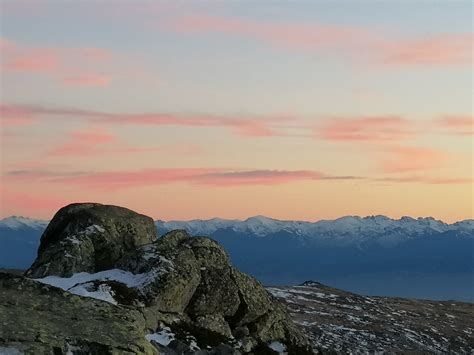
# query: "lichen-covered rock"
x,y
90,237
180,283
215,323
40,319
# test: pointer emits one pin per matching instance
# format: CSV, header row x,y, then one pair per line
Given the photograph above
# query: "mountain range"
x,y
375,255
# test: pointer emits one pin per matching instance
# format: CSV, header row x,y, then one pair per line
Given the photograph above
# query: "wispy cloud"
x,y
360,43
288,34
84,142
406,159
427,180
69,66
212,177
99,141
247,126
369,129
209,177
257,177
442,49
87,80
12,115
462,125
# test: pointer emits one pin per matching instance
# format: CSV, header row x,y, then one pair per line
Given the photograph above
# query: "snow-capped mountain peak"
x,y
18,222
347,229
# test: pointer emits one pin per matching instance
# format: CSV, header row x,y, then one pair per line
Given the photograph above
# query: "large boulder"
x,y
90,237
180,283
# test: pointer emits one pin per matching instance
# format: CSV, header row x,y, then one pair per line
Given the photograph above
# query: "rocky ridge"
x,y
178,294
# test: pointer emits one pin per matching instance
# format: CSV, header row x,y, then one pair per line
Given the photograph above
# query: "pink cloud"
x,y
72,66
98,141
251,126
308,35
443,49
31,202
213,177
94,135
244,126
87,80
40,60
86,142
372,129
360,43
406,159
257,177
130,179
463,125
11,115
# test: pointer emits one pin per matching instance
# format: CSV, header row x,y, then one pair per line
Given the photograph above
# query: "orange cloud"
x,y
463,125
371,129
406,159
428,180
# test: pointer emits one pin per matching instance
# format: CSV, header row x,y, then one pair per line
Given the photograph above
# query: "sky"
x,y
302,110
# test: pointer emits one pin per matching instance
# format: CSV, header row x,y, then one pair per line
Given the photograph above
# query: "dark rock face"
x,y
180,283
90,237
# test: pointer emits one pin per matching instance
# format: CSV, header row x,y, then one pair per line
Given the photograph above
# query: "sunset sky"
x,y
183,110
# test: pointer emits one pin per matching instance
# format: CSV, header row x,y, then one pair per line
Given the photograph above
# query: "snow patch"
x,y
103,292
10,351
81,284
278,347
163,337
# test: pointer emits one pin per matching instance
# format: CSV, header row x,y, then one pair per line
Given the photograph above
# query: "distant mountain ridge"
x,y
262,225
18,222
358,228
422,257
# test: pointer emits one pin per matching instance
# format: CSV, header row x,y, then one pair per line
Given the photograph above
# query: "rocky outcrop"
x,y
90,237
189,297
